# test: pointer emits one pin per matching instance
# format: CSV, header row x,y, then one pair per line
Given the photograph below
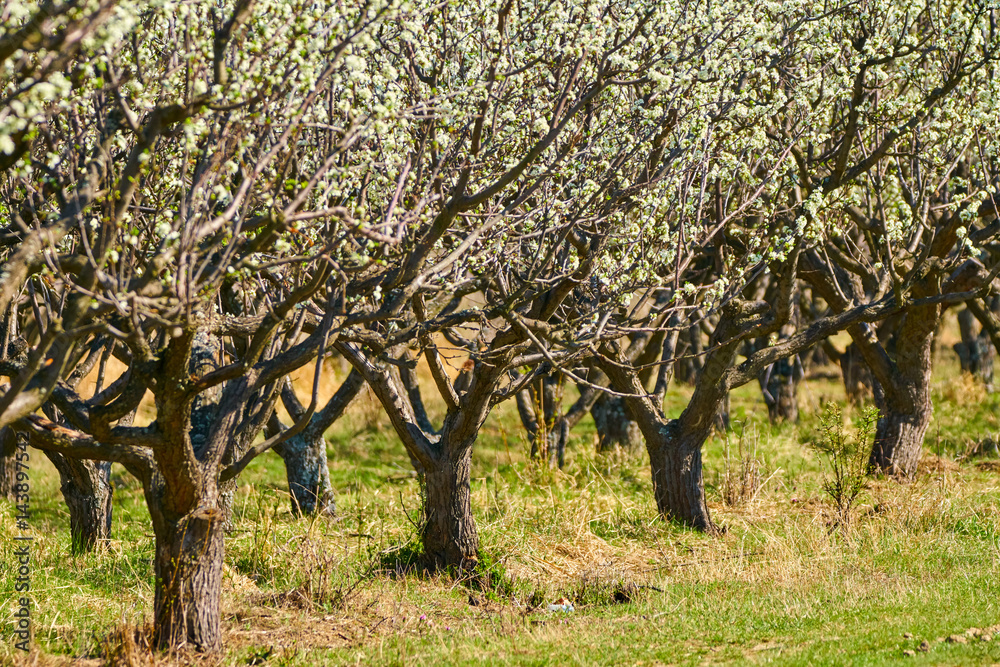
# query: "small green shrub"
x,y
847,458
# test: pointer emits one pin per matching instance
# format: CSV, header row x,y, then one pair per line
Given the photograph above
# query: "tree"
x,y
841,136
912,117
210,168
40,43
304,453
538,187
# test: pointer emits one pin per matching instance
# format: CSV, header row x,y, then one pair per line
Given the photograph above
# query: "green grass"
x,y
785,584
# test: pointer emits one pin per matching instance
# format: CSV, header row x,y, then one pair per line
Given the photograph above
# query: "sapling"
x,y
847,458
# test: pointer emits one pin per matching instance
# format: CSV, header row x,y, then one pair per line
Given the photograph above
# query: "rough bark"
x,y
678,485
188,568
204,410
614,427
779,384
307,473
86,488
903,395
904,415
8,470
187,564
975,351
449,532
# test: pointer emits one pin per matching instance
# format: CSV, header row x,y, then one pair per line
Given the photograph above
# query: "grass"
x,y
786,583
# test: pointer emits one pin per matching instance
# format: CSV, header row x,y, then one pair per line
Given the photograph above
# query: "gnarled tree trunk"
x,y
678,485
614,426
188,568
307,473
904,415
674,445
904,396
449,532
86,488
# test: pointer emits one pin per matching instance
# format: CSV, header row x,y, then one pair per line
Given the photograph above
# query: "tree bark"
x,y
614,427
86,488
975,351
8,469
903,396
308,474
904,416
188,568
678,485
449,532
779,385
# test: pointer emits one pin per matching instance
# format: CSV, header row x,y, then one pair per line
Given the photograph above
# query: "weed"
x,y
741,479
490,577
592,590
127,646
400,560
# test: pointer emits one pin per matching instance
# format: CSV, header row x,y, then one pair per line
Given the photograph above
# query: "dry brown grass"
x,y
964,390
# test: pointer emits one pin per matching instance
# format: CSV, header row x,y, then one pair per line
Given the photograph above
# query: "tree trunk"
x,y
614,427
8,467
858,381
86,488
449,534
556,443
904,396
189,560
902,424
227,505
975,351
678,486
308,474
779,385
188,569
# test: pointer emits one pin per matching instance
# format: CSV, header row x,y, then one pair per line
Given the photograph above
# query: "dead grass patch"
x,y
989,465
931,464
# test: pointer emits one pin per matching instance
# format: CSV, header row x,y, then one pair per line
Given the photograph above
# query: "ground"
x,y
911,578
